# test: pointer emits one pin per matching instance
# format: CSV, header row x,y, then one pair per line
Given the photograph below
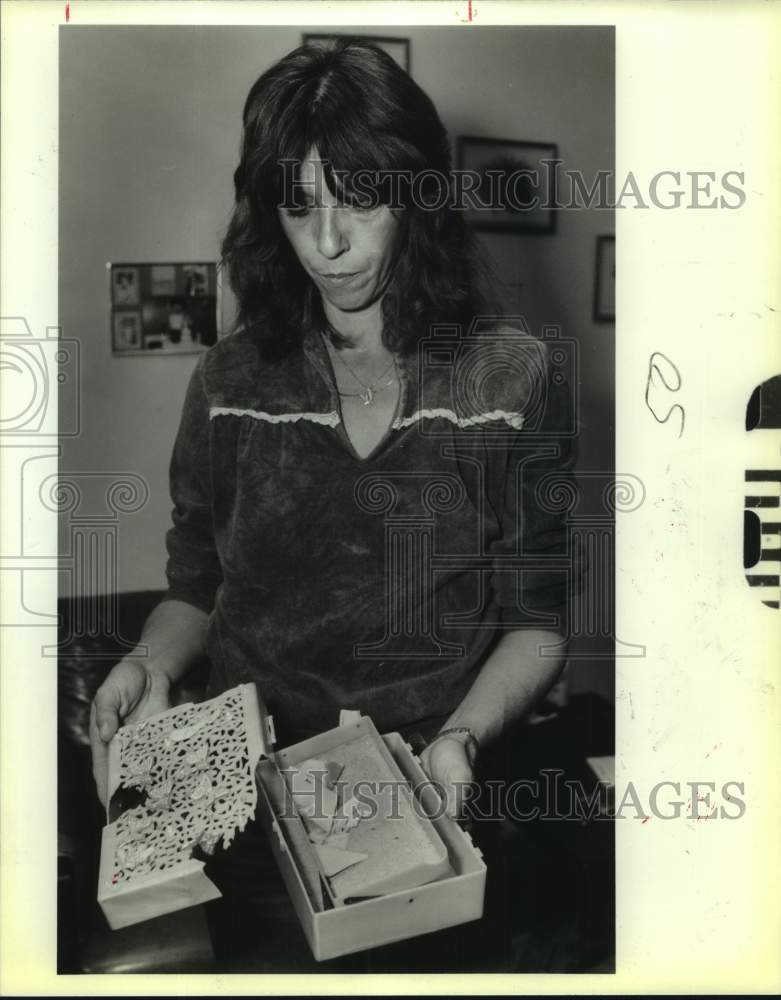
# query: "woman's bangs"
x,y
362,156
361,163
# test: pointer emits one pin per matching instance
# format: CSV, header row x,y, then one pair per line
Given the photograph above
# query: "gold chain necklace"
x,y
367,396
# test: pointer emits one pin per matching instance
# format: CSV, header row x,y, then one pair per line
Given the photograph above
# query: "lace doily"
x,y
196,764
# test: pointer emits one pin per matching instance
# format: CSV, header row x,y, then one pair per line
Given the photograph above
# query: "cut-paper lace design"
x,y
194,763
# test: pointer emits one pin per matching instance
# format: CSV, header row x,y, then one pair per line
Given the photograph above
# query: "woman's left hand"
x,y
449,761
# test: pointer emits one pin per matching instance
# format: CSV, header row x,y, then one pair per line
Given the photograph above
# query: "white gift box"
x,y
346,927
206,769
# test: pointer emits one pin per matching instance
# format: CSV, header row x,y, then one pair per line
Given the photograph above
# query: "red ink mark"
x,y
470,10
67,12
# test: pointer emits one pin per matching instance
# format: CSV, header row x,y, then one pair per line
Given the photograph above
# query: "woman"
x,y
348,510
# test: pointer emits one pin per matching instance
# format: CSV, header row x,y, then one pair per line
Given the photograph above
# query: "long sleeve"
x,y
536,569
193,567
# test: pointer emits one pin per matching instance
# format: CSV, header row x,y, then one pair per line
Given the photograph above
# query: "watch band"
x,y
471,741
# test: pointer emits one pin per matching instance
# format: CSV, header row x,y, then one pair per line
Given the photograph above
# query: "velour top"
x,y
379,583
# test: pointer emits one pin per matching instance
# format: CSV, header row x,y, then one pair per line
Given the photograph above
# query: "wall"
x,y
149,134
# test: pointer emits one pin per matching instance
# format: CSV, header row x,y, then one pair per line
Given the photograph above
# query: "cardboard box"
x,y
394,916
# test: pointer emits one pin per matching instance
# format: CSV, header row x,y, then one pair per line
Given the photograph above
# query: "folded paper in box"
x,y
419,871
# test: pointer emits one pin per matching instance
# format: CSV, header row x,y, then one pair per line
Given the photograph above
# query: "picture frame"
x,y
163,307
517,188
397,48
605,280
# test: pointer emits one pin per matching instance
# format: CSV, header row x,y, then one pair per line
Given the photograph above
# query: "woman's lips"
x,y
339,278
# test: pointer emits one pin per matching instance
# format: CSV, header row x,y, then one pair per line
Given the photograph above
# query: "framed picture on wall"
x,y
398,48
515,184
164,308
605,280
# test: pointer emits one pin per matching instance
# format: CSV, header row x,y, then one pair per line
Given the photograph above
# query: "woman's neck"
x,y
360,331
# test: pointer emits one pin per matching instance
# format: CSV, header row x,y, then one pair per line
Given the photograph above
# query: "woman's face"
x,y
345,250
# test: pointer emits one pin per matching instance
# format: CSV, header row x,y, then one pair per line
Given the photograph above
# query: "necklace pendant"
x,y
367,397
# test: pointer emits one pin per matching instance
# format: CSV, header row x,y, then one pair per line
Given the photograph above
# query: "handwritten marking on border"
x,y
657,365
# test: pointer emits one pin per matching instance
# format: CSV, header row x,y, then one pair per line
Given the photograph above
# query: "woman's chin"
x,y
348,300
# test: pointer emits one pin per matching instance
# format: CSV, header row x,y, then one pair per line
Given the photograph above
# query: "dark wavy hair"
x,y
353,102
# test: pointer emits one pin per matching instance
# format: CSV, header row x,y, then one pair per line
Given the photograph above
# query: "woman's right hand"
x,y
132,691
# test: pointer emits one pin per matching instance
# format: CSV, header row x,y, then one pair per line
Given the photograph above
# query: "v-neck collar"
x,y
317,354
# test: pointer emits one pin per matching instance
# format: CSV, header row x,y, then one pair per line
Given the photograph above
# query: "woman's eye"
x,y
301,211
361,205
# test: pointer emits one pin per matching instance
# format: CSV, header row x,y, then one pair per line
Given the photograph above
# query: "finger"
x,y
99,757
107,707
451,767
458,787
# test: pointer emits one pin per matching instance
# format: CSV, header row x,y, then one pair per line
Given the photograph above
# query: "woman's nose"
x,y
332,237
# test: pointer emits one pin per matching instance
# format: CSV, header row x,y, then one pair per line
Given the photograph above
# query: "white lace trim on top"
x,y
328,419
510,417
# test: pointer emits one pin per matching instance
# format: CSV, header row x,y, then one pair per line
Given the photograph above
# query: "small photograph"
x,y
516,186
397,48
162,279
127,331
196,280
124,286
